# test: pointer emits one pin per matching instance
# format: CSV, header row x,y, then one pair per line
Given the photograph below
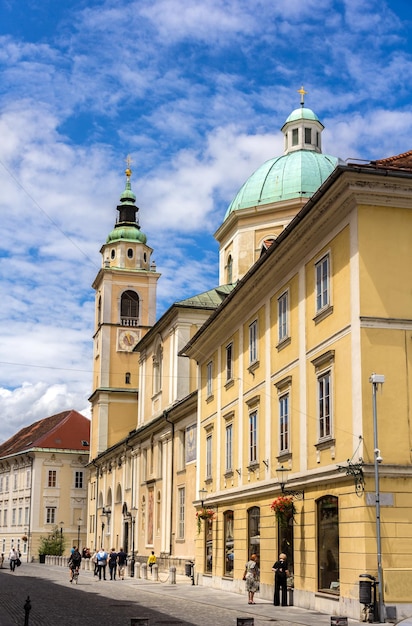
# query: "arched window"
x,y
229,543
229,269
129,308
253,529
119,493
328,544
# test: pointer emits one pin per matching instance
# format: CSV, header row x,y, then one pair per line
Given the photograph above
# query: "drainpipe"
x,y
165,415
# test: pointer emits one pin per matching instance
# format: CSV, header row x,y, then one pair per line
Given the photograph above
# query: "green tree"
x,y
54,544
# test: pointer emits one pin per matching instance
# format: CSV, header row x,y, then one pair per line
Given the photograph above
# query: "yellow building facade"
x,y
285,366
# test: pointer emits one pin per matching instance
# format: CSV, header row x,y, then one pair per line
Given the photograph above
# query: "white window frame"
x,y
322,283
209,379
284,423
229,448
253,342
325,415
253,436
50,515
283,316
78,480
181,499
229,362
209,442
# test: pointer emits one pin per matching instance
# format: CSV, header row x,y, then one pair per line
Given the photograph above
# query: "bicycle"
x,y
75,575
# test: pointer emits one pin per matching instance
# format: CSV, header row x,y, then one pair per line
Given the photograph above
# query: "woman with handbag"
x,y
251,576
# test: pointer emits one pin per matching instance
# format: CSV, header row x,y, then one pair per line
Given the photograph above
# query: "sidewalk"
x,y
118,601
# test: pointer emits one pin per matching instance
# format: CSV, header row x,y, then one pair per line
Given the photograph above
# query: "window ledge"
x,y
330,595
323,313
252,467
210,398
229,383
282,457
228,474
324,444
253,366
284,343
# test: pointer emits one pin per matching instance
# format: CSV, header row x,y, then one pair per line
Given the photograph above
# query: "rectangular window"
x,y
26,516
283,317
308,135
253,437
322,283
13,517
6,488
5,517
51,482
229,362
325,417
253,342
181,457
50,515
181,512
209,456
1,484
15,483
284,423
209,374
295,137
20,517
28,477
229,448
78,480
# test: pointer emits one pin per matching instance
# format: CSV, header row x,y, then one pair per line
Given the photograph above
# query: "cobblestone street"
x,y
55,602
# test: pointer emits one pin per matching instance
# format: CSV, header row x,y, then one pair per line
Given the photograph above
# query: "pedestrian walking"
x,y
74,563
122,562
251,576
112,564
281,573
13,556
102,563
151,561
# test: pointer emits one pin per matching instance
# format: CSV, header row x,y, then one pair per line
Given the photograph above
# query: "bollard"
x,y
245,621
172,575
27,607
155,571
143,568
137,569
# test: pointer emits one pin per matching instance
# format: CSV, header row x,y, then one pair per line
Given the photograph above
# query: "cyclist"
x,y
74,563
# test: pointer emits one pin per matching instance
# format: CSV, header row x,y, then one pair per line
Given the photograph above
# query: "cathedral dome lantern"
x,y
127,226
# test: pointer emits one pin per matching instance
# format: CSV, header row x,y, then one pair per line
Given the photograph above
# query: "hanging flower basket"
x,y
284,509
24,538
204,514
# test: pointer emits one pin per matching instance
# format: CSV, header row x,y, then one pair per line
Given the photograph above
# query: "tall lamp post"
x,y
133,513
61,538
79,521
377,379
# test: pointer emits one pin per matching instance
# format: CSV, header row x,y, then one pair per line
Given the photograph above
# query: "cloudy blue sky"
x,y
196,91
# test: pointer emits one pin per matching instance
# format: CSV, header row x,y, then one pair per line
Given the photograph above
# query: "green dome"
x,y
302,114
293,175
126,233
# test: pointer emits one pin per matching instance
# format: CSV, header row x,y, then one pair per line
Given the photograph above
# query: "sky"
x,y
195,91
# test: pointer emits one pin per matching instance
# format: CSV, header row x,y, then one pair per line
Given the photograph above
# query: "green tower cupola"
x,y
127,225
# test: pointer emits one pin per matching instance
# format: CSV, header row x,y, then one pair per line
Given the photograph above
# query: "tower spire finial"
x,y
302,96
128,170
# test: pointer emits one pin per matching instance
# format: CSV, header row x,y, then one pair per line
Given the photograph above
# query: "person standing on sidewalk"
x,y
251,576
281,573
102,563
13,556
112,564
122,561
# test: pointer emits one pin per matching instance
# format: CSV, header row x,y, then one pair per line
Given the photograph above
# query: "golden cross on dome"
x,y
302,95
129,161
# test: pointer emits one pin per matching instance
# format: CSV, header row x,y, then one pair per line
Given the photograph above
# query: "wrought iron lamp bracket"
x,y
355,470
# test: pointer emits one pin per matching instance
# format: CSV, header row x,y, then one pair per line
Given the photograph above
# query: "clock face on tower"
x,y
127,339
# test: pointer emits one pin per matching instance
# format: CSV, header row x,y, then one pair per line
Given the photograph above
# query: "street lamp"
x,y
282,474
202,495
377,379
61,538
79,521
133,513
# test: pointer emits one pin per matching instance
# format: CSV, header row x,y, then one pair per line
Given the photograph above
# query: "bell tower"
x,y
125,308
